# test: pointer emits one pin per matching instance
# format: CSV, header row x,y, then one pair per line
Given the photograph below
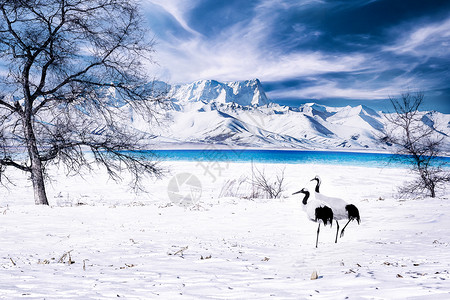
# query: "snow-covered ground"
x,y
142,246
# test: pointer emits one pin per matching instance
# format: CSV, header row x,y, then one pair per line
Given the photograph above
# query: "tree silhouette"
x,y
416,141
74,69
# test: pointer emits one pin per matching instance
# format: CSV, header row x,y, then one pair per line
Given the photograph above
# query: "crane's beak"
x,y
297,192
313,179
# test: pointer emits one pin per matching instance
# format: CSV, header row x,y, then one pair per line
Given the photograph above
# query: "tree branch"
x,y
9,162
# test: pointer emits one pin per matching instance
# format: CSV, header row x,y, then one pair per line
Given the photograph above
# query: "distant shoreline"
x,y
255,148
212,147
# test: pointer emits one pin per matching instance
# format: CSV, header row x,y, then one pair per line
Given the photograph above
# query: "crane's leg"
x,y
317,239
337,231
342,232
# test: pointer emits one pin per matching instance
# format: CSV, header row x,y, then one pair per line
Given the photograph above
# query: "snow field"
x,y
144,247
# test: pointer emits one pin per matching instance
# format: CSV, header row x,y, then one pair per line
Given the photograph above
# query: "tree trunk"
x,y
432,189
37,177
37,173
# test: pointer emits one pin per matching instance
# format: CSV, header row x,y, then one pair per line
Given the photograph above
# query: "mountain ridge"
x,y
239,114
245,93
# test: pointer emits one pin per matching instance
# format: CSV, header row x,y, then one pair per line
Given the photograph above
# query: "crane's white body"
x,y
336,204
310,207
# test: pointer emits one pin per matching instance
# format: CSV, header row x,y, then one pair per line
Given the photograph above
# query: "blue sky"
x,y
331,52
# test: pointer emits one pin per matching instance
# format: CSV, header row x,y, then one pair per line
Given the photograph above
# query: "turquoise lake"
x,y
285,156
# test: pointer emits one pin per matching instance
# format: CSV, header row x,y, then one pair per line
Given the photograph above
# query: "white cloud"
x,y
242,51
429,40
178,9
236,59
340,88
332,90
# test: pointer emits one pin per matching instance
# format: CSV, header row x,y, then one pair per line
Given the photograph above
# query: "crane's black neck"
x,y
305,199
317,185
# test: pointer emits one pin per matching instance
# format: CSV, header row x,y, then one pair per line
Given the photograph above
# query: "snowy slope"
x,y
127,246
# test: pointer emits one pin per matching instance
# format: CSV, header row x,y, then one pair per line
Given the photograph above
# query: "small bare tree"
x,y
259,185
268,186
75,72
417,142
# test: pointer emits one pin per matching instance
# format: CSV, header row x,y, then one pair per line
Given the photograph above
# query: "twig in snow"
x,y
179,251
63,257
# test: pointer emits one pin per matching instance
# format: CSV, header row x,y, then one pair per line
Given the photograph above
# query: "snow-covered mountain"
x,y
246,93
209,113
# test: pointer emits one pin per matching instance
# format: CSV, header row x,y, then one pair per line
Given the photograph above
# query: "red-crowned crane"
x,y
316,211
341,209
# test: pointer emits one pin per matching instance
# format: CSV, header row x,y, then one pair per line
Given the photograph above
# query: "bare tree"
x,y
416,141
270,187
75,70
259,185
